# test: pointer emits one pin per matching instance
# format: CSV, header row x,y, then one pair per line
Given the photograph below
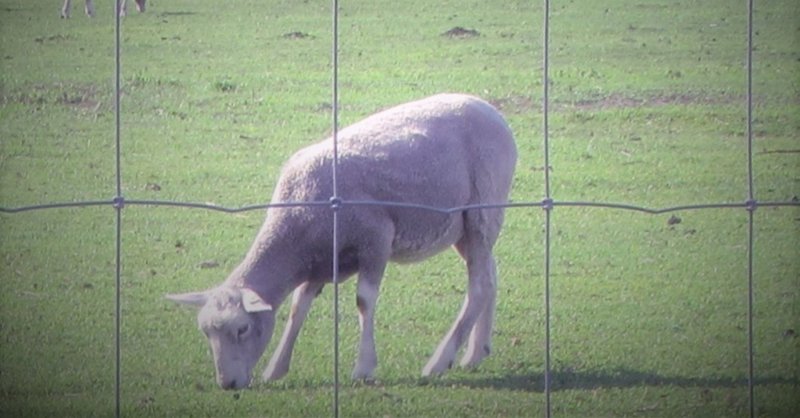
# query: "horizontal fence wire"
x,y
340,202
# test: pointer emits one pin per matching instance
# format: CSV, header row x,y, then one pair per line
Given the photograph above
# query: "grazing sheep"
x,y
89,7
445,151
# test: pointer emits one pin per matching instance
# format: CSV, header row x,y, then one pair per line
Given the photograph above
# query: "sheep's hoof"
x,y
366,381
432,370
362,375
272,375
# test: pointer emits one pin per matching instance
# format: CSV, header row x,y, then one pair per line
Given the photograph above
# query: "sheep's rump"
x,y
444,151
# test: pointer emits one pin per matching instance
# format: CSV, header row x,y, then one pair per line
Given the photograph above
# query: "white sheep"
x,y
89,8
445,151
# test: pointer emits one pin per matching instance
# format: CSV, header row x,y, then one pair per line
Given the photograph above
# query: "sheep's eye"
x,y
242,331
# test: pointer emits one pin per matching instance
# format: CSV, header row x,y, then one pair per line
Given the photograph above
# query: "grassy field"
x,y
648,107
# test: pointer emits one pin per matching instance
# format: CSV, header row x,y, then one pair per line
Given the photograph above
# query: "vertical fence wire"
x,y
547,204
751,207
118,204
335,198
750,303
750,185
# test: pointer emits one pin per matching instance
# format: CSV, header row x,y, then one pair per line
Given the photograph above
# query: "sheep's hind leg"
x,y
301,302
480,295
480,339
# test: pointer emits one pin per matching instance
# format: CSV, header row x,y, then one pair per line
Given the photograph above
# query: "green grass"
x,y
649,317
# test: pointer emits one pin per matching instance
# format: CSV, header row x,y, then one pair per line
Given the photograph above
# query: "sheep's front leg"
x,y
89,8
123,8
366,300
481,291
301,303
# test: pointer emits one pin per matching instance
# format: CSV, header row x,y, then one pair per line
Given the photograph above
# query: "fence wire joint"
x,y
547,204
751,205
336,203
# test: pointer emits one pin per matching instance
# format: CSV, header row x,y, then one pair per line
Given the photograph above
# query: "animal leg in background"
x,y
140,6
89,8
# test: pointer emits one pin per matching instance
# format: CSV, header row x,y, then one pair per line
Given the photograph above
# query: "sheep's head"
x,y
238,324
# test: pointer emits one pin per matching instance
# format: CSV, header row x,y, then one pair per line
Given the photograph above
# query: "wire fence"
x,y
548,204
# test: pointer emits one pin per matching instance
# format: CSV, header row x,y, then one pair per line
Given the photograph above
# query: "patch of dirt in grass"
x,y
296,35
178,13
77,96
517,104
459,32
616,100
52,38
83,98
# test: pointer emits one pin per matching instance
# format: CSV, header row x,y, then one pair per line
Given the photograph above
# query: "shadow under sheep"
x,y
588,380
561,380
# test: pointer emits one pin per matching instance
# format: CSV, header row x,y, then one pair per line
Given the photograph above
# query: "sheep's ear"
x,y
252,302
193,298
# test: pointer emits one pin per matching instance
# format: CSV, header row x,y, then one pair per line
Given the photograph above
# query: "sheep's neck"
x,y
266,269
